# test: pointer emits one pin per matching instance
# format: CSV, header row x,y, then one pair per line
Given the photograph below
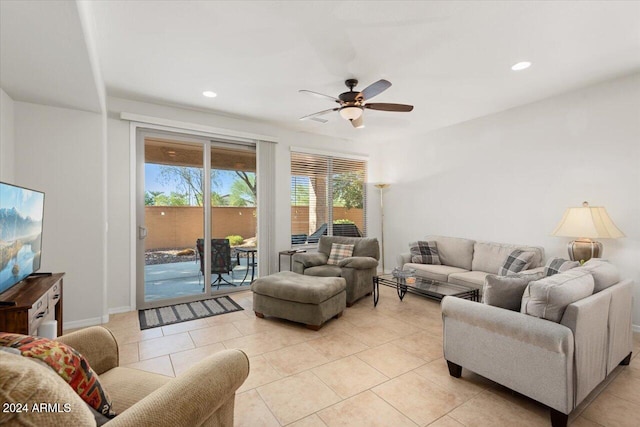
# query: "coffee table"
x,y
424,287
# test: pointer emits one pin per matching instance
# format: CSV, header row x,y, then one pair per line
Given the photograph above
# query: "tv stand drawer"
x,y
33,301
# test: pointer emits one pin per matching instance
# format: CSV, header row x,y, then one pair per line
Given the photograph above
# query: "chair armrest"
x,y
311,260
358,262
538,332
192,398
97,345
402,259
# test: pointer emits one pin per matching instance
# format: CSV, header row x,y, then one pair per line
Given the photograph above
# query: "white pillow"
x,y
604,273
549,297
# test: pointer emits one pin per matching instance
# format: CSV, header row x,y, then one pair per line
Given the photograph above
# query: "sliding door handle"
x,y
142,233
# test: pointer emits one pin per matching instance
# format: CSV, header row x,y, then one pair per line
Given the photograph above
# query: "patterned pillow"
x,y
339,251
424,252
516,262
558,265
67,363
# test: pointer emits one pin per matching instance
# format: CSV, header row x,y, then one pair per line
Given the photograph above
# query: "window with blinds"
x,y
328,197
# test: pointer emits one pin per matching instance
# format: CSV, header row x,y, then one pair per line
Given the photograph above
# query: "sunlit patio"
x,y
180,279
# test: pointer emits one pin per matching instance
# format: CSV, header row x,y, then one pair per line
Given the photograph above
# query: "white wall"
x,y
7,145
59,151
509,177
119,179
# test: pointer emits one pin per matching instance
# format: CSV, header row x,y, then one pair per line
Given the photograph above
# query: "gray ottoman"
x,y
305,299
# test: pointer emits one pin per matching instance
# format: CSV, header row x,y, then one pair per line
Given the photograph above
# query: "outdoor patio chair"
x,y
344,230
221,261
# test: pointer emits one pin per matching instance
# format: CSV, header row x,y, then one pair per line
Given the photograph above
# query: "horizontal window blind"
x,y
328,196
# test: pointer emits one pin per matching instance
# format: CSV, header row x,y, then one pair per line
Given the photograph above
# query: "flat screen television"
x,y
21,215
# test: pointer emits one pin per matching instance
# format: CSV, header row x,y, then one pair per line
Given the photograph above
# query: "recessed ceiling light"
x,y
521,66
209,94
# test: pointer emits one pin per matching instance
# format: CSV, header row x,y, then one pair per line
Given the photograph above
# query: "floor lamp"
x,y
381,187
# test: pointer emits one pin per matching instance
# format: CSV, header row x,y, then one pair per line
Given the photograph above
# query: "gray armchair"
x,y
358,270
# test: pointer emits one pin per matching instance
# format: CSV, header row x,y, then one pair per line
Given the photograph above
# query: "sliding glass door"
x,y
196,218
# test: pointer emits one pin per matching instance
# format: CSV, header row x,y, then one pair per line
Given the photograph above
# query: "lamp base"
x,y
584,250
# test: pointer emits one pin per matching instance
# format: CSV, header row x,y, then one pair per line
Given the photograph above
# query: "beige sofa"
x,y
468,262
557,364
202,396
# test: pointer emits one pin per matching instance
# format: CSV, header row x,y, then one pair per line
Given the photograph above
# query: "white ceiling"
x,y
43,55
450,59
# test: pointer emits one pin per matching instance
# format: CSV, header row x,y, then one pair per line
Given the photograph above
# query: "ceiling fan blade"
x,y
319,113
375,89
358,123
320,95
389,107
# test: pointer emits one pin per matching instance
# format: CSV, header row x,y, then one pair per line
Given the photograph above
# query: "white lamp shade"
x,y
351,113
592,222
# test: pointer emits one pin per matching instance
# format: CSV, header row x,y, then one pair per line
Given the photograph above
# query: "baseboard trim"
x,y
75,324
635,328
118,310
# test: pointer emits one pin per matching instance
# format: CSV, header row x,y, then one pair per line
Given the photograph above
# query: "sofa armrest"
x,y
311,259
533,270
192,398
358,262
96,344
403,258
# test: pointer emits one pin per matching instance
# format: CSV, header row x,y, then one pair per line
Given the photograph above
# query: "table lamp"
x,y
586,223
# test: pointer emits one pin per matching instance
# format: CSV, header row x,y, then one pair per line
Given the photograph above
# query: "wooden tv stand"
x,y
36,299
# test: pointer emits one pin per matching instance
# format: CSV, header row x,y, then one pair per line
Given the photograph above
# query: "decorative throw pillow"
x,y
506,291
424,252
339,251
604,273
516,262
67,363
558,265
549,297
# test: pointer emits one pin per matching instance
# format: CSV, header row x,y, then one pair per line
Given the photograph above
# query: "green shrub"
x,y
235,240
343,221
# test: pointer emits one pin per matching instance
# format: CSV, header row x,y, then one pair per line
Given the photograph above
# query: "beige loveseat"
x,y
202,396
557,364
467,262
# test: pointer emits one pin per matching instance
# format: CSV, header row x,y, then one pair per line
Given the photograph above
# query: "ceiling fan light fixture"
x,y
351,112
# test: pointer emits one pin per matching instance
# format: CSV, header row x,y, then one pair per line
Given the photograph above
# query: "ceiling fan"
x,y
353,104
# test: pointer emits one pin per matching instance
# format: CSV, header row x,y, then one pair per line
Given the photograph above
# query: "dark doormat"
x,y
162,316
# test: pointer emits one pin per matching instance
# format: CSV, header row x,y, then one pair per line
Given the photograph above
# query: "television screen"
x,y
21,212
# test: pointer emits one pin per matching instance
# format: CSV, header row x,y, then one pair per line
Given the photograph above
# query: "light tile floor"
x,y
378,366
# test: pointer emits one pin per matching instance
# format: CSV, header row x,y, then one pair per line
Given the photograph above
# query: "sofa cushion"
x,y
66,362
454,251
516,262
362,246
506,291
25,380
489,256
434,272
604,273
558,265
424,252
127,386
339,251
323,271
548,298
469,278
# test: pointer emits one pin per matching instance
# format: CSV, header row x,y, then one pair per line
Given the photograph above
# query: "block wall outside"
x,y
180,226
